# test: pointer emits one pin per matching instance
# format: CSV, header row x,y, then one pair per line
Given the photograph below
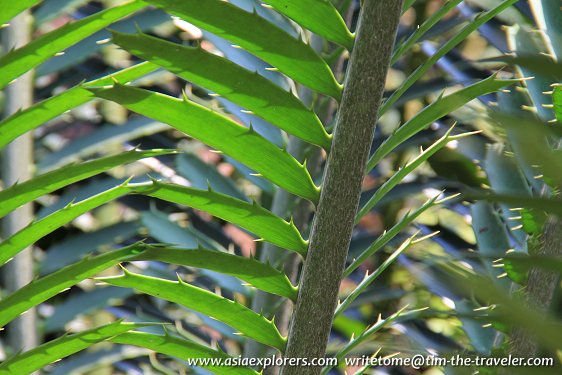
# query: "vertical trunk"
x,y
540,289
334,221
17,162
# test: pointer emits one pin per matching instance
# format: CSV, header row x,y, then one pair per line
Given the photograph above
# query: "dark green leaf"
x,y
557,102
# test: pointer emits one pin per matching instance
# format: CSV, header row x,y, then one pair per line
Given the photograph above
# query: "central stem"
x,y
334,221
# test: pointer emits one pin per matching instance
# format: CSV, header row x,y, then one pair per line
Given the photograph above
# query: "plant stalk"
x,y
540,289
17,163
334,221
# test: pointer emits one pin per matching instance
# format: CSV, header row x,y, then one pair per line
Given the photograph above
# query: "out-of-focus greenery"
x,y
161,132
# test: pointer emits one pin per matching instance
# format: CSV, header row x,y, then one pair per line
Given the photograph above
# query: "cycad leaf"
x,y
390,234
433,112
23,121
250,216
52,351
11,8
36,230
368,280
235,140
247,89
451,43
253,33
46,287
492,238
249,323
319,16
420,31
201,175
368,333
182,349
407,169
19,194
258,274
546,205
25,58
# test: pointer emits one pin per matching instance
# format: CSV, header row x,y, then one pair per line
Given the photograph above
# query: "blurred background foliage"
x,y
467,237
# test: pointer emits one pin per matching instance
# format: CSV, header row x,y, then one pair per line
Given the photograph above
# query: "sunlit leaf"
x,y
36,230
48,286
36,115
258,36
47,46
182,349
249,323
37,358
254,272
225,135
19,194
250,216
319,16
10,9
451,43
433,112
223,77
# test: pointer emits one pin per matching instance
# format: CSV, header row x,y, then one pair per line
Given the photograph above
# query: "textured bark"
x,y
17,162
540,289
334,221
